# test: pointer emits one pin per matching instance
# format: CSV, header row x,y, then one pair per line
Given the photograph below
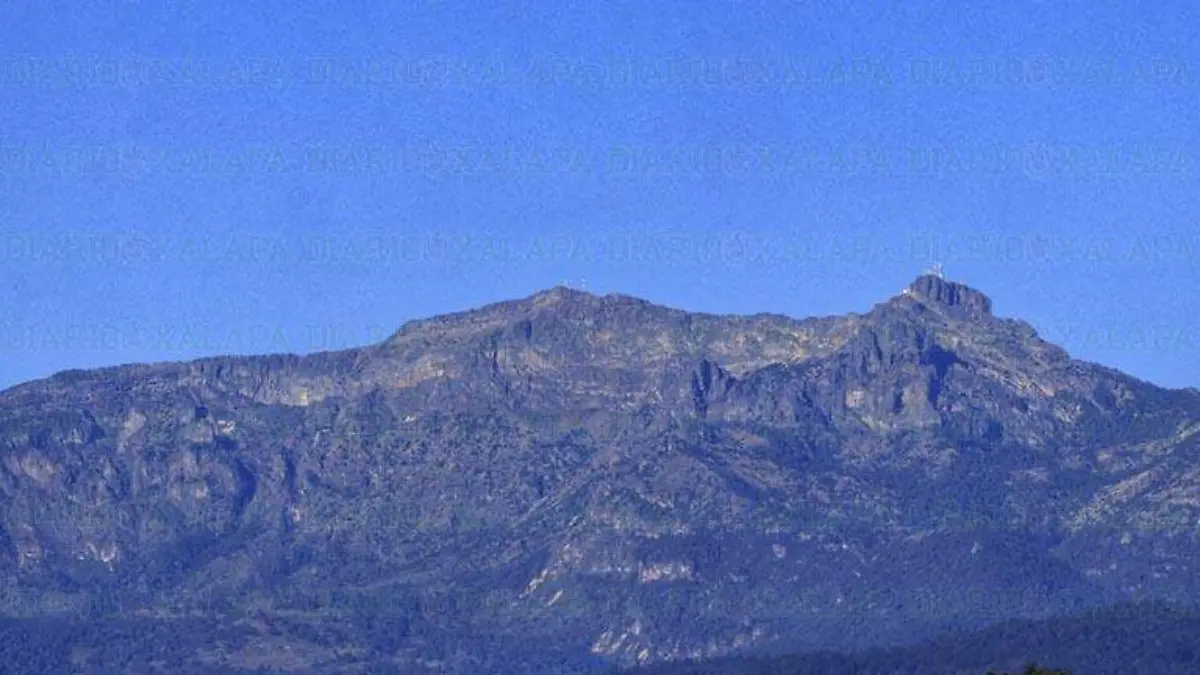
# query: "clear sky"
x,y
187,178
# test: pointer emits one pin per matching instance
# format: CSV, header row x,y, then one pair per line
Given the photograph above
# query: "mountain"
x,y
572,480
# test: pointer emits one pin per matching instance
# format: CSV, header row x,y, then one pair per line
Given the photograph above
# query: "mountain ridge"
x,y
638,482
930,288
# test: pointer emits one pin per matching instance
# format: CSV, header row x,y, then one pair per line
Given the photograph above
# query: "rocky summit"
x,y
570,480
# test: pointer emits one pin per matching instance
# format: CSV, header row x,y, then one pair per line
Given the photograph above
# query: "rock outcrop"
x,y
935,289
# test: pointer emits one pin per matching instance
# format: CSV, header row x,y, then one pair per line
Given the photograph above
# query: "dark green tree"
x,y
1034,669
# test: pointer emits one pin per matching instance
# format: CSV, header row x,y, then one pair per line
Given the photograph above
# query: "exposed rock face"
x,y
627,480
934,289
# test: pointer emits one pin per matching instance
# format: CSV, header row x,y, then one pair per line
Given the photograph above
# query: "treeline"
x,y
1126,640
48,646
1141,639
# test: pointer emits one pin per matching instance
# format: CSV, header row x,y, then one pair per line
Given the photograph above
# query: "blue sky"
x,y
192,178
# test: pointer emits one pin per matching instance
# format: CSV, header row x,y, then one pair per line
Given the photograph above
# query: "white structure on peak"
x,y
935,269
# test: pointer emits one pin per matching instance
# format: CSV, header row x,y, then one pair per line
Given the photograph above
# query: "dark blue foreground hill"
x,y
626,482
1139,639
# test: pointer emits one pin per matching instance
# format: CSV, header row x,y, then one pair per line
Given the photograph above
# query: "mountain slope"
x,y
637,482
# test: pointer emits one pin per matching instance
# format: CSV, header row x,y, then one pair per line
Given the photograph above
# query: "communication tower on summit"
x,y
935,270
